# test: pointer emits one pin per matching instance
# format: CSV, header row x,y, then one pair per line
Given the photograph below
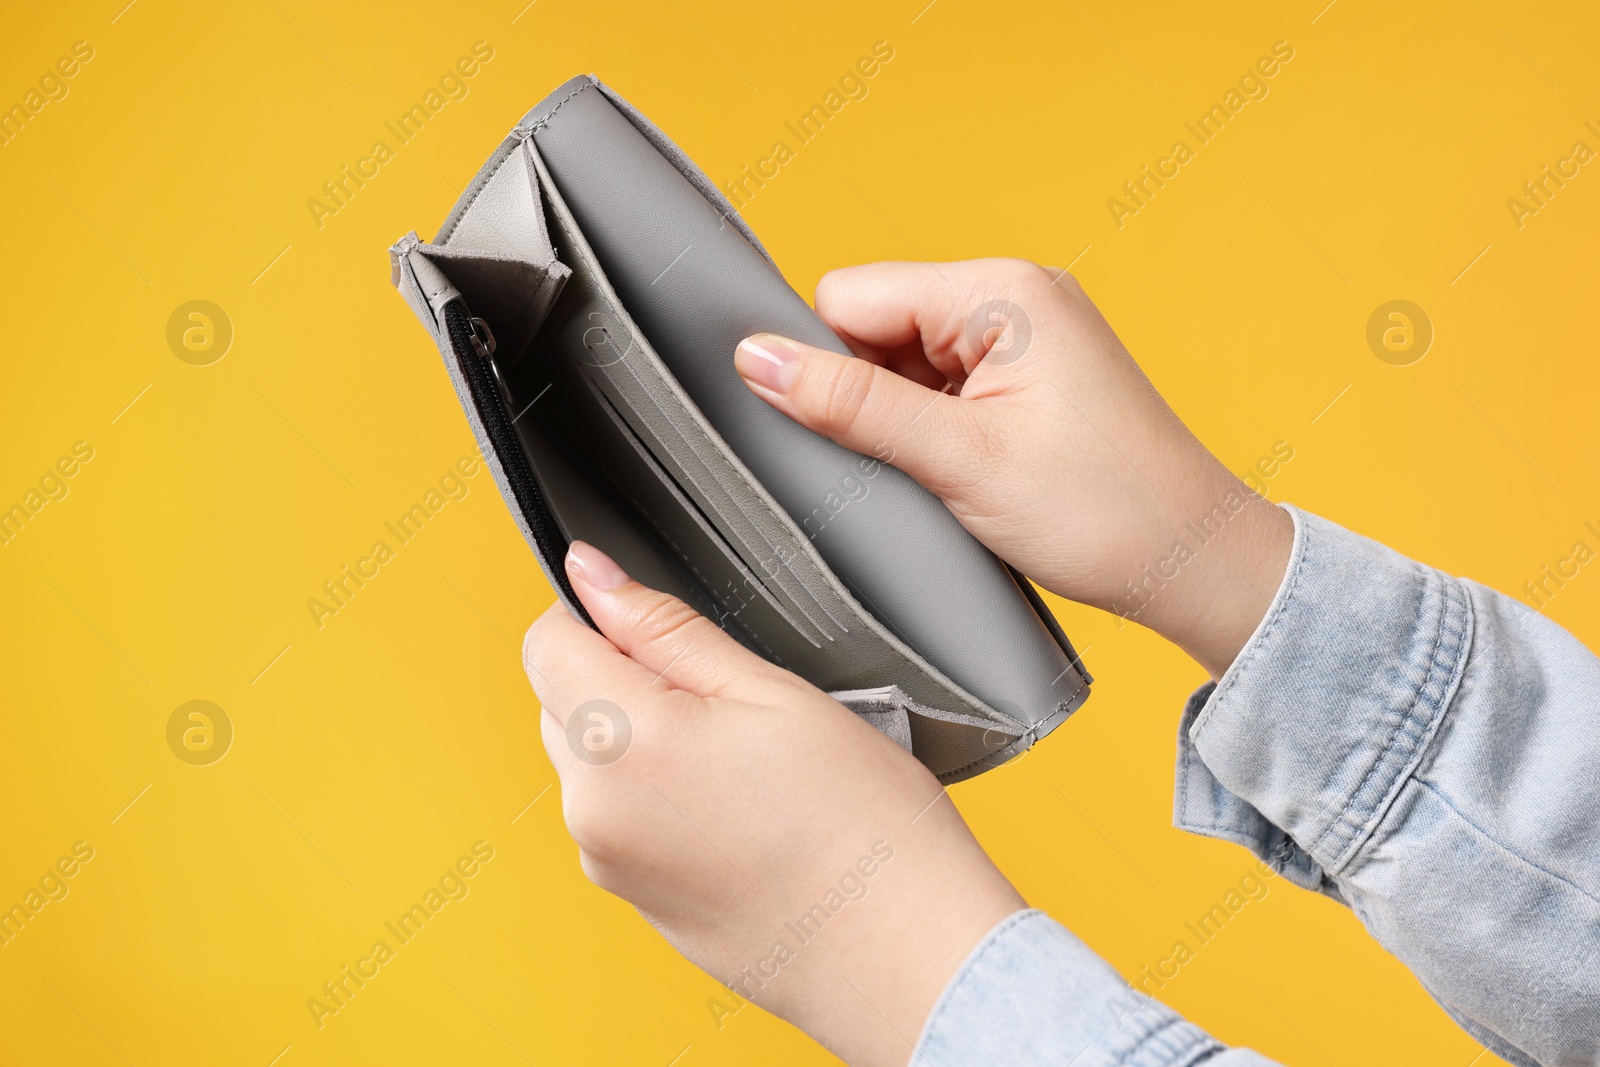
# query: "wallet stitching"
x,y
526,132
541,123
1026,733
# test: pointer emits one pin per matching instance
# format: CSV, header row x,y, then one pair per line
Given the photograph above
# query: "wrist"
x,y
867,990
1207,578
1238,567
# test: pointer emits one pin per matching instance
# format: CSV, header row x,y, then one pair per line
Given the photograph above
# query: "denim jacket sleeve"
x,y
1416,746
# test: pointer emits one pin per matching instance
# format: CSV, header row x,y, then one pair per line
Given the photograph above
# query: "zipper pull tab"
x,y
482,338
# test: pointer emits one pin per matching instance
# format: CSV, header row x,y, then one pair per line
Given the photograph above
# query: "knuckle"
x,y
662,617
1024,269
579,816
533,641
530,651
842,392
1069,284
1020,275
552,735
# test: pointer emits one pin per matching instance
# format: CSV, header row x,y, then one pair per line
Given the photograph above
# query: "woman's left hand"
x,y
787,848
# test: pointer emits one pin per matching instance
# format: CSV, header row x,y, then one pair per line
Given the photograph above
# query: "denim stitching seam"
x,y
1406,742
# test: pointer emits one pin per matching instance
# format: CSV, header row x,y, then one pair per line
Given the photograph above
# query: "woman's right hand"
x,y
999,386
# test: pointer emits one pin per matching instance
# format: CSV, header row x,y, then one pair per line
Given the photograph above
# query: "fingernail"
x,y
767,359
587,564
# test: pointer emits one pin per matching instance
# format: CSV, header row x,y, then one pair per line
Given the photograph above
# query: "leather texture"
x,y
617,283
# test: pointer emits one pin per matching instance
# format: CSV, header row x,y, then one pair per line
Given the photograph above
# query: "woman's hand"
x,y
999,386
780,843
775,839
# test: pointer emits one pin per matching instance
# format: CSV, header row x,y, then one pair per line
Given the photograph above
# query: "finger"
x,y
945,311
663,636
865,407
571,667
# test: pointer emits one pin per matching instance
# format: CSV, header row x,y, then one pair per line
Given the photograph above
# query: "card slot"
x,y
558,493
668,488
618,358
765,547
737,596
553,388
759,541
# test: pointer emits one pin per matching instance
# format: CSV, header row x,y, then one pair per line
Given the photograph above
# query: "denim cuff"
x,y
1032,993
1298,752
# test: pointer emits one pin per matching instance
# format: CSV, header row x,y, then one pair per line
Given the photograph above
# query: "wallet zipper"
x,y
473,344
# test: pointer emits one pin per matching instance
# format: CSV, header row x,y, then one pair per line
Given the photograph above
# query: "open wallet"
x,y
587,293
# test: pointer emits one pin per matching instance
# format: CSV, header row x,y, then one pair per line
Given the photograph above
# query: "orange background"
x,y
369,754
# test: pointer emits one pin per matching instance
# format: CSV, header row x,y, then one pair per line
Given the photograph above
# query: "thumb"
x,y
865,407
672,640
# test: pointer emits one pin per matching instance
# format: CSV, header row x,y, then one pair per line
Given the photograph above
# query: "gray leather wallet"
x,y
587,293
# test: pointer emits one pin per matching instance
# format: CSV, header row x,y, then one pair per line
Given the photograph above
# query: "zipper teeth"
x,y
503,440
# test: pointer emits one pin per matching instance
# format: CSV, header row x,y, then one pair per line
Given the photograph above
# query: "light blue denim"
x,y
1415,746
